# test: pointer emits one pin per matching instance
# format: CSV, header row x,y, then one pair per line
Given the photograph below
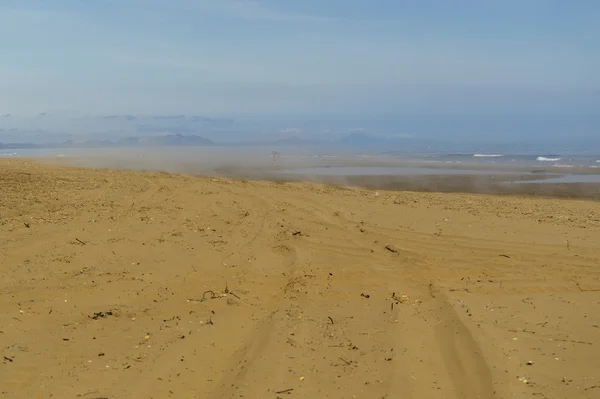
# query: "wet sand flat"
x,y
125,284
497,184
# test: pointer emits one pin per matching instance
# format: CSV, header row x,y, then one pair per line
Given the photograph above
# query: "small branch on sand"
x,y
431,292
285,391
391,248
573,342
345,361
207,295
213,295
79,241
582,289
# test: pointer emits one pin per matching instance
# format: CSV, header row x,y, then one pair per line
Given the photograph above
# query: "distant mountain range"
x,y
361,140
171,140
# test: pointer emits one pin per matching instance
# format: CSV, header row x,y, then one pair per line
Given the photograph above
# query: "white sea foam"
x,y
544,159
487,155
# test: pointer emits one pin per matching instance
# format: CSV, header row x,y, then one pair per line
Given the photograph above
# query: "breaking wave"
x,y
544,159
487,155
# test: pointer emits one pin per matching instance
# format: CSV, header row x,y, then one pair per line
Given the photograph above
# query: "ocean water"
x,y
534,160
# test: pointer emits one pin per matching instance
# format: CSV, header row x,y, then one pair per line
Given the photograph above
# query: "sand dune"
x,y
122,284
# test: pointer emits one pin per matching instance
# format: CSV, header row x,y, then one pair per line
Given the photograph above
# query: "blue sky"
x,y
299,61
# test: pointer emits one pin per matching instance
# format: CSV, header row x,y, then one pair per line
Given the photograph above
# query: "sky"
x,y
487,67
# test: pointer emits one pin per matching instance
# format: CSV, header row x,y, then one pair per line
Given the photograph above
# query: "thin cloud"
x,y
6,115
401,136
170,117
152,129
123,117
241,9
160,62
254,10
289,130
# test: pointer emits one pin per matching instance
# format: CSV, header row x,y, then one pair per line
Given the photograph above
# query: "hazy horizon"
x,y
261,70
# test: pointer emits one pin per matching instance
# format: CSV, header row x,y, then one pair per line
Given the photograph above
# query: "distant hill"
x,y
357,140
169,140
32,146
364,140
297,141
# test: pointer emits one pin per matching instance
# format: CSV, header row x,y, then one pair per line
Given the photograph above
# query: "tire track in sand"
x,y
464,361
448,342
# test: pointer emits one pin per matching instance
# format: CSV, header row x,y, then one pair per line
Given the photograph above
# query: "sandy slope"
x,y
305,295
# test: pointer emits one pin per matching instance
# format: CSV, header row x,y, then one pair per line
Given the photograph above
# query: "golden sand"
x,y
120,284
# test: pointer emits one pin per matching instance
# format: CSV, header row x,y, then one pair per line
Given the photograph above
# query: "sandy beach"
x,y
128,284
